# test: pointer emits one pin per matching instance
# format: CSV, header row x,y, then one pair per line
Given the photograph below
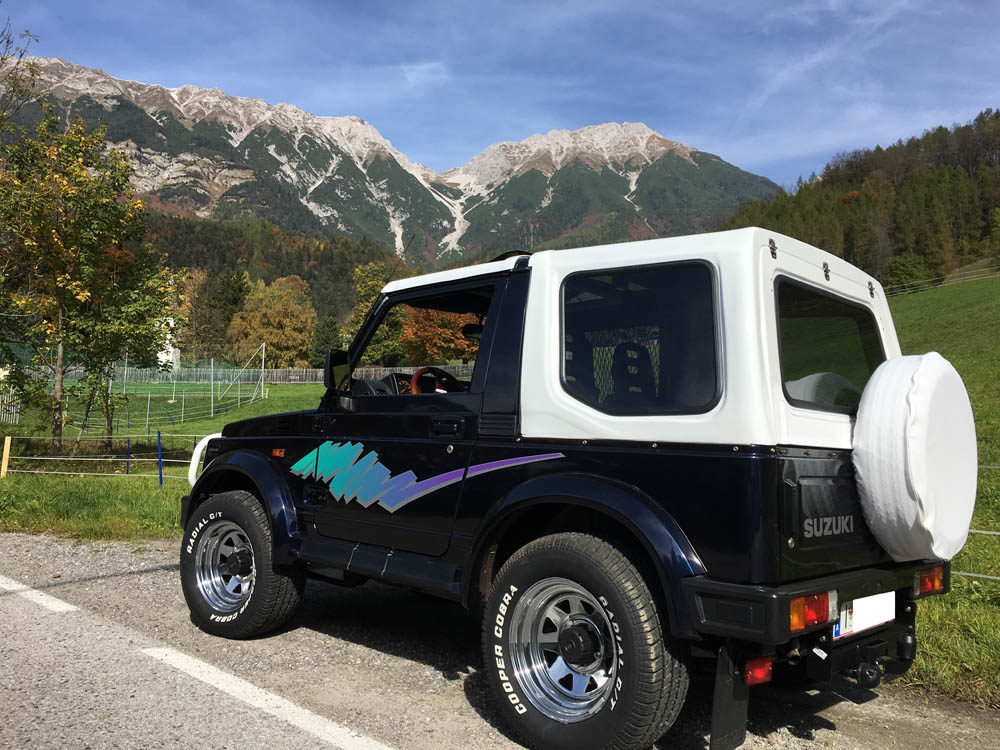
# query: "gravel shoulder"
x,y
391,664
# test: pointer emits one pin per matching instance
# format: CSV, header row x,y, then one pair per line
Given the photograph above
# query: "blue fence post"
x,y
128,452
159,455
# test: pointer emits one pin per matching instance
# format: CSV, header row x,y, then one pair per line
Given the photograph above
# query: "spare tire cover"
x,y
915,457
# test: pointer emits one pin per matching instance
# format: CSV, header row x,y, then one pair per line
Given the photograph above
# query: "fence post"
x,y
159,455
237,394
6,457
211,391
128,452
149,395
182,405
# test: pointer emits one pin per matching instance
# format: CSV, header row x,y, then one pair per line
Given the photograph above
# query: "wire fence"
x,y
165,457
939,281
10,407
149,410
221,375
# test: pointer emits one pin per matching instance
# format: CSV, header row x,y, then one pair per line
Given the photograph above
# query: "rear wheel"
x,y
227,575
575,650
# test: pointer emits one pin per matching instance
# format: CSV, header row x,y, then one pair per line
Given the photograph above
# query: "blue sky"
x,y
775,88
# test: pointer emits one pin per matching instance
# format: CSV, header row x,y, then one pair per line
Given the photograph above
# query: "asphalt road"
x,y
98,652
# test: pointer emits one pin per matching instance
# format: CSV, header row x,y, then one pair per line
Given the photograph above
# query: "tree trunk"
x,y
86,416
109,414
57,395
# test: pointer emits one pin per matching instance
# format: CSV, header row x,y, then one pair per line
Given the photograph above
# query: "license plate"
x,y
865,613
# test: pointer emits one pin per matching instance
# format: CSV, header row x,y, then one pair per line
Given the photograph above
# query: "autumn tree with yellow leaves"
x,y
279,315
80,286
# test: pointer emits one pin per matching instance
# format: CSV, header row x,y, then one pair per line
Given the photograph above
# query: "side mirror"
x,y
337,369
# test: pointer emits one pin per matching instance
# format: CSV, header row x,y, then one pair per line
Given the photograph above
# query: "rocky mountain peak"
x,y
623,145
190,103
202,152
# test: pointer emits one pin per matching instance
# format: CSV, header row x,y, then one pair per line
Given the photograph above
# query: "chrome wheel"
x,y
224,566
563,650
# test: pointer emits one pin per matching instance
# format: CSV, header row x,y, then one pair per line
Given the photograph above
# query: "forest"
x,y
910,212
246,279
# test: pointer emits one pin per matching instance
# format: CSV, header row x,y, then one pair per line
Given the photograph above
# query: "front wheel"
x,y
575,651
227,576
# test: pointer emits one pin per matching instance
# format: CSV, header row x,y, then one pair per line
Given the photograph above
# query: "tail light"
x,y
758,670
815,609
929,581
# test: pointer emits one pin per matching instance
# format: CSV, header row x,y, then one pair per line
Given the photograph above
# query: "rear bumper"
x,y
760,614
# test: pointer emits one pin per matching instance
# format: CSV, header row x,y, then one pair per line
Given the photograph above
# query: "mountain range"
x,y
201,153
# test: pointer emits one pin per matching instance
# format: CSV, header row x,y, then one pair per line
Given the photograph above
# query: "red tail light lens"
x,y
929,581
806,611
759,670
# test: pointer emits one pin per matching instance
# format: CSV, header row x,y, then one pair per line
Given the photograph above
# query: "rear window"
x,y
829,348
641,341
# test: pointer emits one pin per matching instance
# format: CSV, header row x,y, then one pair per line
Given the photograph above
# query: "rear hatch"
x,y
829,346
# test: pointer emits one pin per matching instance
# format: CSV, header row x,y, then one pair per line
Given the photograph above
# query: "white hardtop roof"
x,y
454,274
622,254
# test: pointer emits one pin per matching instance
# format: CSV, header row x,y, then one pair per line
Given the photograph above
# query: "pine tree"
x,y
326,337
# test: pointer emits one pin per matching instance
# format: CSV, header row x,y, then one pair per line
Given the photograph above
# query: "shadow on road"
x,y
771,710
446,637
440,634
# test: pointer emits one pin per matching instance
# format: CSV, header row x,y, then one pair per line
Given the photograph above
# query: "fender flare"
x,y
270,486
671,552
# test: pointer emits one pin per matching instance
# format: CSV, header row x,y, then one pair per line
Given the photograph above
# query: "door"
x,y
394,461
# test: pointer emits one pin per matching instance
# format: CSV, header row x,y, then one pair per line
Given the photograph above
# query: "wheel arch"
x,y
605,508
252,471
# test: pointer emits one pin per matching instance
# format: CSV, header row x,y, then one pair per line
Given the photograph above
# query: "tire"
x,y
575,651
915,458
227,576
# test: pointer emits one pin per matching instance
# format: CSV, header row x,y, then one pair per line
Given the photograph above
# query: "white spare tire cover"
x,y
915,458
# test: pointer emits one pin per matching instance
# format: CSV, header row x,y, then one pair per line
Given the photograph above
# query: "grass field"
x,y
91,507
115,507
165,410
958,635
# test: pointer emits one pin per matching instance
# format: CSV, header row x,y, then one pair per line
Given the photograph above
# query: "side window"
x,y
440,331
641,340
829,348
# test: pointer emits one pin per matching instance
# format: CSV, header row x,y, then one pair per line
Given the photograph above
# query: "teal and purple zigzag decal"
x,y
353,476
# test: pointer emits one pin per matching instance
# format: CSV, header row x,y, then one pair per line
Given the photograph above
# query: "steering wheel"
x,y
443,380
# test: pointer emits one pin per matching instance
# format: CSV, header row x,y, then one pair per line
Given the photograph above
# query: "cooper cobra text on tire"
x,y
575,650
227,577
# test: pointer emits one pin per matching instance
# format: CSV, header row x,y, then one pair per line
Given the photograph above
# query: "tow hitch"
x,y
867,675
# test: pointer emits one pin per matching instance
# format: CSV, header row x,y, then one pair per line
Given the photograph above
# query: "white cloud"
x,y
423,74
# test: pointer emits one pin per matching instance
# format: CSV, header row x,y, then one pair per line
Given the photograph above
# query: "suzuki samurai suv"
x,y
649,451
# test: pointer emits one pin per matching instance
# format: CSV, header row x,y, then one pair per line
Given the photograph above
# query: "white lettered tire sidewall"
x,y
516,578
270,590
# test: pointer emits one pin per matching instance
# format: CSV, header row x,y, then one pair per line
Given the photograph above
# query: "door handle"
x,y
446,427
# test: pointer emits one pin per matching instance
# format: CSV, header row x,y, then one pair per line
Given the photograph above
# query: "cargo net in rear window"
x,y
641,340
638,361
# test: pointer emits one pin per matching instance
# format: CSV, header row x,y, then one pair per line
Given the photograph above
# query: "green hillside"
x,y
914,210
580,206
959,635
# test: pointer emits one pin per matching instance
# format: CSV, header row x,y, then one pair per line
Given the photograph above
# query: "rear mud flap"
x,y
729,704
